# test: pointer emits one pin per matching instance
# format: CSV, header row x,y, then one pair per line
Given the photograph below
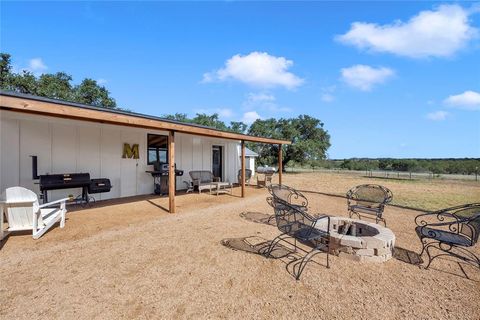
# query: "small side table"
x,y
221,187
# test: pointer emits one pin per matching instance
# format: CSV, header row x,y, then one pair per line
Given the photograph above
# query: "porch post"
x,y
171,171
243,169
280,167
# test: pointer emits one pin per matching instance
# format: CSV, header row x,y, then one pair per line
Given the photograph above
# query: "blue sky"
x,y
396,79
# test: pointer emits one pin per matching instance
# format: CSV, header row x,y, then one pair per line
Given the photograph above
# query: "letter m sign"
x,y
130,151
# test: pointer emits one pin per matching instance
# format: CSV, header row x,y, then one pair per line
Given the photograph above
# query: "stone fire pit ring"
x,y
359,240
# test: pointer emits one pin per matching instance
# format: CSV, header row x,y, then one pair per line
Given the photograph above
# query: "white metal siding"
x,y
64,146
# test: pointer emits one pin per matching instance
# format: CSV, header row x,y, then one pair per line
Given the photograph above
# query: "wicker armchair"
x,y
295,223
202,179
451,231
368,199
248,176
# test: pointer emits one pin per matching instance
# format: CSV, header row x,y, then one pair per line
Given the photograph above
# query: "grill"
x,y
99,185
64,181
160,177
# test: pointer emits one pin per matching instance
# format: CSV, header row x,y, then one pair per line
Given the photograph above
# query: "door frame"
x,y
222,159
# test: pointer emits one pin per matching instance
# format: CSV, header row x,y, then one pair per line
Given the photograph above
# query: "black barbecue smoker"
x,y
68,181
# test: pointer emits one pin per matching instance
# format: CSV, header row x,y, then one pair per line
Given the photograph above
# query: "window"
x,y
157,148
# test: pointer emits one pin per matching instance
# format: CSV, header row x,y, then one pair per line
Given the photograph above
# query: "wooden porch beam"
x,y
171,171
243,169
280,166
61,109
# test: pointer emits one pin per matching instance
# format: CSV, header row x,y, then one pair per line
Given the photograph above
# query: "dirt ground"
x,y
130,259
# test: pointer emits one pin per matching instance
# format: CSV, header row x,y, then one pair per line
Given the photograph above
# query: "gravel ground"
x,y
131,259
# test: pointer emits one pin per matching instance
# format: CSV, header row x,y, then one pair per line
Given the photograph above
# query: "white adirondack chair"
x,y
23,212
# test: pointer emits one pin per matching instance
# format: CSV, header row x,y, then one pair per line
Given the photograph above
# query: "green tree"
x,y
310,141
212,121
89,92
238,127
182,117
5,71
56,86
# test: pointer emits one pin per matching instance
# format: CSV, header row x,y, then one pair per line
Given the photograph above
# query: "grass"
x,y
422,194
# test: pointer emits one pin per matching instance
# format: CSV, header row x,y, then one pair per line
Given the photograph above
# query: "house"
x,y
250,157
66,137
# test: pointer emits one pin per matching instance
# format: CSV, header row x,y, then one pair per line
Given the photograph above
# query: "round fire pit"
x,y
359,240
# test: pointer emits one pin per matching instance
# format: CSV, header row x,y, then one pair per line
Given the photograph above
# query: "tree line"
x,y
310,140
57,85
435,166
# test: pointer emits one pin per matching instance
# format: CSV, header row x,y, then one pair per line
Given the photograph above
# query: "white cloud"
x,y
225,112
469,100
250,117
364,77
258,69
254,97
264,101
327,97
36,65
327,94
436,33
437,115
101,81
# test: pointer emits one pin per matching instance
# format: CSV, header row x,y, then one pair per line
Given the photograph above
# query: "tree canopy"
x,y
310,140
54,85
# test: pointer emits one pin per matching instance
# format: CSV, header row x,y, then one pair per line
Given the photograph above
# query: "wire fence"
x,y
402,175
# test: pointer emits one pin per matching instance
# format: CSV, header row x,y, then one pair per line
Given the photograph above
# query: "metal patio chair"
x,y
451,231
287,194
368,199
295,223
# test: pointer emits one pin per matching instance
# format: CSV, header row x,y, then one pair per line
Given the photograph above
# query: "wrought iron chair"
x,y
368,199
288,195
451,231
299,225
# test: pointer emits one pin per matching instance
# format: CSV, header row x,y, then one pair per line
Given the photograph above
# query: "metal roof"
x,y
250,153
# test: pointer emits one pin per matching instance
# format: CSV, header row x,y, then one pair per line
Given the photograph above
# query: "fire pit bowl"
x,y
359,240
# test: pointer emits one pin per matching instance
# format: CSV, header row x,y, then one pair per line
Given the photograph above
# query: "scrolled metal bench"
x,y
451,231
288,195
368,199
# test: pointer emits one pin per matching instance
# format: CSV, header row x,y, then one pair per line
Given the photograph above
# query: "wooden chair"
x,y
23,212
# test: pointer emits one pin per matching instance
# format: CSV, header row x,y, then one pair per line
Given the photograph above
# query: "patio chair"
x,y
299,225
23,212
451,231
368,199
202,179
264,178
248,176
288,195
